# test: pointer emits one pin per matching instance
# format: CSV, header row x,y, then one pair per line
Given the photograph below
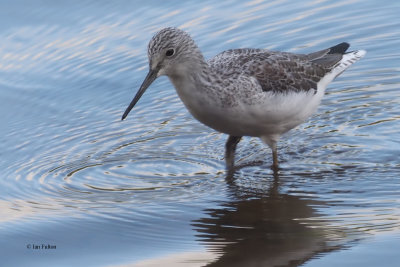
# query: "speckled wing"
x,y
279,71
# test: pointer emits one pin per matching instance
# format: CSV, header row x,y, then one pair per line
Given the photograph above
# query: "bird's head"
x,y
170,51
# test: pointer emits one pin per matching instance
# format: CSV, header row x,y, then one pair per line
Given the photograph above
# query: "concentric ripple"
x,y
113,170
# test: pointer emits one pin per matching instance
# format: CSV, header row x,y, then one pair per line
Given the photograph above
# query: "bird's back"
x,y
282,71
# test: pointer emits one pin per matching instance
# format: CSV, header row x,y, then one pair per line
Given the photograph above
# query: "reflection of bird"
x,y
262,229
245,92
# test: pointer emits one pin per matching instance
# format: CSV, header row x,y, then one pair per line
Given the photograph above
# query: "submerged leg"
x,y
271,141
230,148
275,164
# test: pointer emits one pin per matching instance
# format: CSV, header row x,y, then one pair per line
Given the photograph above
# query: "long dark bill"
x,y
151,76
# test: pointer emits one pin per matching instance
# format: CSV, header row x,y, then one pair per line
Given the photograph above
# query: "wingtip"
x,y
339,48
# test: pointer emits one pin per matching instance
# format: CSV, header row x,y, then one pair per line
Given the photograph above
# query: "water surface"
x,y
153,189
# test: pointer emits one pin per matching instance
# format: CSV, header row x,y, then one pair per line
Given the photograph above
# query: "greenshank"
x,y
245,92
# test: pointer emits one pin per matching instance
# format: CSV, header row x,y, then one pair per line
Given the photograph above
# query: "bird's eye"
x,y
169,52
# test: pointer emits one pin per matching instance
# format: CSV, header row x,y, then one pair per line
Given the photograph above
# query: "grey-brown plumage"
x,y
245,92
278,71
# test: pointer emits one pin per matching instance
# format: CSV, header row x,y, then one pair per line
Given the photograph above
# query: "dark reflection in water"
x,y
263,228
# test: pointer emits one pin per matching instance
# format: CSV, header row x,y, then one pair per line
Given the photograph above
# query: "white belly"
x,y
274,113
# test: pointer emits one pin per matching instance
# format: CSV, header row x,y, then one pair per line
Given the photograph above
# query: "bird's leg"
x,y
230,148
275,164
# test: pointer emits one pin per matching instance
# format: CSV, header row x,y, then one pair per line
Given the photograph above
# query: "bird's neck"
x,y
192,74
192,81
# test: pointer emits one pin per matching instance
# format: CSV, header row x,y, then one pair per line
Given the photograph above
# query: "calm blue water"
x,y
151,190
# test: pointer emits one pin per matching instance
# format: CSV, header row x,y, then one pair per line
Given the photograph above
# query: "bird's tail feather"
x,y
347,60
